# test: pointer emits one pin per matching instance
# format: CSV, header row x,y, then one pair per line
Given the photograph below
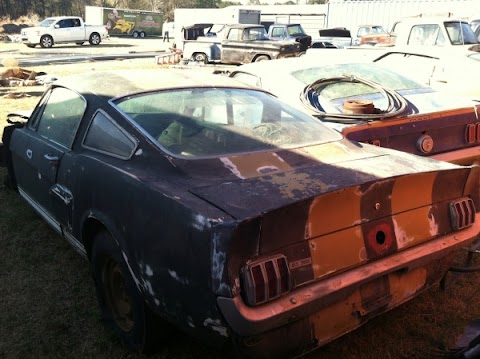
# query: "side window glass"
x,y
234,34
277,32
60,116
106,136
427,34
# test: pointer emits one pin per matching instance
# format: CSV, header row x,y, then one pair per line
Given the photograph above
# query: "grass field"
x,y
48,307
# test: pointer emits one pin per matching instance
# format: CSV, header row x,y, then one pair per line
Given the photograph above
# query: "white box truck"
x,y
184,18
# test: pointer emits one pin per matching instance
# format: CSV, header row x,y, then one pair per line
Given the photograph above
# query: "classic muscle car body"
x,y
231,214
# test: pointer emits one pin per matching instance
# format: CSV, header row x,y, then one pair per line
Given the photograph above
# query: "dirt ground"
x,y
111,45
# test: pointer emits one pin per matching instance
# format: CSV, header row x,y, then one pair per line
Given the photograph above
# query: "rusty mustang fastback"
x,y
222,210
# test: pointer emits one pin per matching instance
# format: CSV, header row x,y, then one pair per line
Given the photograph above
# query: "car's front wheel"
x,y
94,39
200,57
122,305
46,41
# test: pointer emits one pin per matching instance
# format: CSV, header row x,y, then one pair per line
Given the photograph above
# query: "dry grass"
x,y
48,306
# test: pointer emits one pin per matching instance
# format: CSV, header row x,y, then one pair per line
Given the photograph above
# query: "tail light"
x,y
266,279
462,213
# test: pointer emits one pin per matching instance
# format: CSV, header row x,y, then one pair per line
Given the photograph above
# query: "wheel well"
x,y
91,227
261,55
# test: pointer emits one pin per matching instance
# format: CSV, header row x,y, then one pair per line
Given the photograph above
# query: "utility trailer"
x,y
136,23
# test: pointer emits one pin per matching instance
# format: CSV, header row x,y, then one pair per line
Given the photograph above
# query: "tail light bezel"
x,y
266,279
462,213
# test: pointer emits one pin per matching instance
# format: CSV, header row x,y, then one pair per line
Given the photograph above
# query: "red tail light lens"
x,y
266,279
462,213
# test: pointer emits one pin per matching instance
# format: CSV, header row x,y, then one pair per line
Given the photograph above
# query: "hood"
x,y
327,168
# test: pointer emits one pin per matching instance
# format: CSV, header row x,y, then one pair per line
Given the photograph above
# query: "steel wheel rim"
x,y
116,295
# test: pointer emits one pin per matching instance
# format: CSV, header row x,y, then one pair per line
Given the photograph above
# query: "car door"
x,y
69,30
38,149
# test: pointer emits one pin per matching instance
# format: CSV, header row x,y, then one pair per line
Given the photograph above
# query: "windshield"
x,y
460,33
214,122
255,33
46,22
294,30
368,71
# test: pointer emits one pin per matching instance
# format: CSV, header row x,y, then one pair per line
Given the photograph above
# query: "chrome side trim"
x,y
75,243
41,211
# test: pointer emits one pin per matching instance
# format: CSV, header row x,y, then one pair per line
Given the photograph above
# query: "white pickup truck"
x,y
426,31
62,29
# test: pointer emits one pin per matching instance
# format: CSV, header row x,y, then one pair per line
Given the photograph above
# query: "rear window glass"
x,y
367,71
212,122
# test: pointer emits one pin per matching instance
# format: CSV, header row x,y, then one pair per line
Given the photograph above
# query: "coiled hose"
x,y
396,103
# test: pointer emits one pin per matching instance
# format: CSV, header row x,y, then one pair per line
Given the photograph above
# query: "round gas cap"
x,y
425,143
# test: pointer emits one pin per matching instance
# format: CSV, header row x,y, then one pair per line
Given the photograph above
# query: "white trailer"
x,y
352,13
227,15
136,23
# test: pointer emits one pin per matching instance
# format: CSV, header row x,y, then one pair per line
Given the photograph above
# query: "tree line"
x,y
14,9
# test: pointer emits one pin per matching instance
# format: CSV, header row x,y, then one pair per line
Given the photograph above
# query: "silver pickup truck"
x,y
63,29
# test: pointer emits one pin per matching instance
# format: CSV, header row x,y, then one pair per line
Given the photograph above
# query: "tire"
x,y
200,57
135,34
46,41
261,58
122,305
79,43
95,39
31,45
143,34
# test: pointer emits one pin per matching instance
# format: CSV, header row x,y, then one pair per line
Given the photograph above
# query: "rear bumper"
x,y
341,303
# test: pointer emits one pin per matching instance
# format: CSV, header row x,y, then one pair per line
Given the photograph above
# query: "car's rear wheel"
x,y
262,58
122,305
46,41
200,57
94,39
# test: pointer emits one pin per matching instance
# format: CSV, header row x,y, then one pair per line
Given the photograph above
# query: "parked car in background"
x,y
456,72
340,37
234,44
366,30
63,29
370,103
290,32
429,31
218,208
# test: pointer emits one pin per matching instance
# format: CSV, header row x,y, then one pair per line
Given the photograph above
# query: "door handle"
x,y
52,159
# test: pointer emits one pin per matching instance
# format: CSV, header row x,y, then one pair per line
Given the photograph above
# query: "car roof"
x,y
432,19
122,82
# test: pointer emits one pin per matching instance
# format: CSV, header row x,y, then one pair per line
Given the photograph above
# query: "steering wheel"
x,y
266,129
